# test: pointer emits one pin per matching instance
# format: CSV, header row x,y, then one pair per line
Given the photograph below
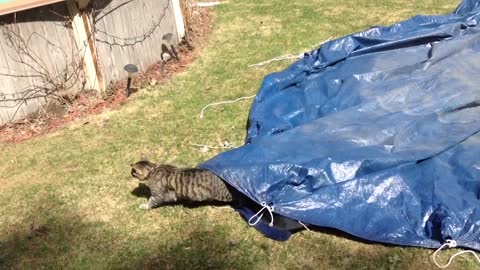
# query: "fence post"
x,y
85,40
177,13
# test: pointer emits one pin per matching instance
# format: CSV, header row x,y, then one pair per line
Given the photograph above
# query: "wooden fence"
x,y
59,49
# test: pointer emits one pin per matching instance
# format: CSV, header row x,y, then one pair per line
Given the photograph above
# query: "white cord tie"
x,y
224,102
305,226
289,56
451,244
259,215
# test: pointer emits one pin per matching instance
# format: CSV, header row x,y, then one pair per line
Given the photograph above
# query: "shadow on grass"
x,y
142,191
203,249
52,236
39,239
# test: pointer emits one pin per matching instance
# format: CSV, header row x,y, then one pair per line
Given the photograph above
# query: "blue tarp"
x,y
375,134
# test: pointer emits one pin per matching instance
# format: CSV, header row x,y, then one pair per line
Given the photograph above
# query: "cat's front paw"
x,y
144,206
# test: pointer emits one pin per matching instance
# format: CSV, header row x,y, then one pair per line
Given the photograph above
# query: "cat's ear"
x,y
143,157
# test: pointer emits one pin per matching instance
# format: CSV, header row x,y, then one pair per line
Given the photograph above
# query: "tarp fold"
x,y
375,133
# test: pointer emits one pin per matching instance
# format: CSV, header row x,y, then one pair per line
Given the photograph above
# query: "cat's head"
x,y
142,169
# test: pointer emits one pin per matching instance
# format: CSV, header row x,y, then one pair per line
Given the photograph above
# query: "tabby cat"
x,y
169,184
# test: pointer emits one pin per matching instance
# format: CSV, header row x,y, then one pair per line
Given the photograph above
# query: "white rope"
x,y
275,59
288,56
226,145
278,58
224,102
451,244
305,226
259,215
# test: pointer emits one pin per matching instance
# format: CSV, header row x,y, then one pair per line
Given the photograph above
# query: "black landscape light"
x,y
131,69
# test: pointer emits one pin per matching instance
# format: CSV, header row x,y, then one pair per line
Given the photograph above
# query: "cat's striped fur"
x,y
169,184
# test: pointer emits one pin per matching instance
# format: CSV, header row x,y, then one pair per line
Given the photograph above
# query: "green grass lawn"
x,y
66,198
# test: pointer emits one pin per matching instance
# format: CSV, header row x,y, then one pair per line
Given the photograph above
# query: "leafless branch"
x,y
43,82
